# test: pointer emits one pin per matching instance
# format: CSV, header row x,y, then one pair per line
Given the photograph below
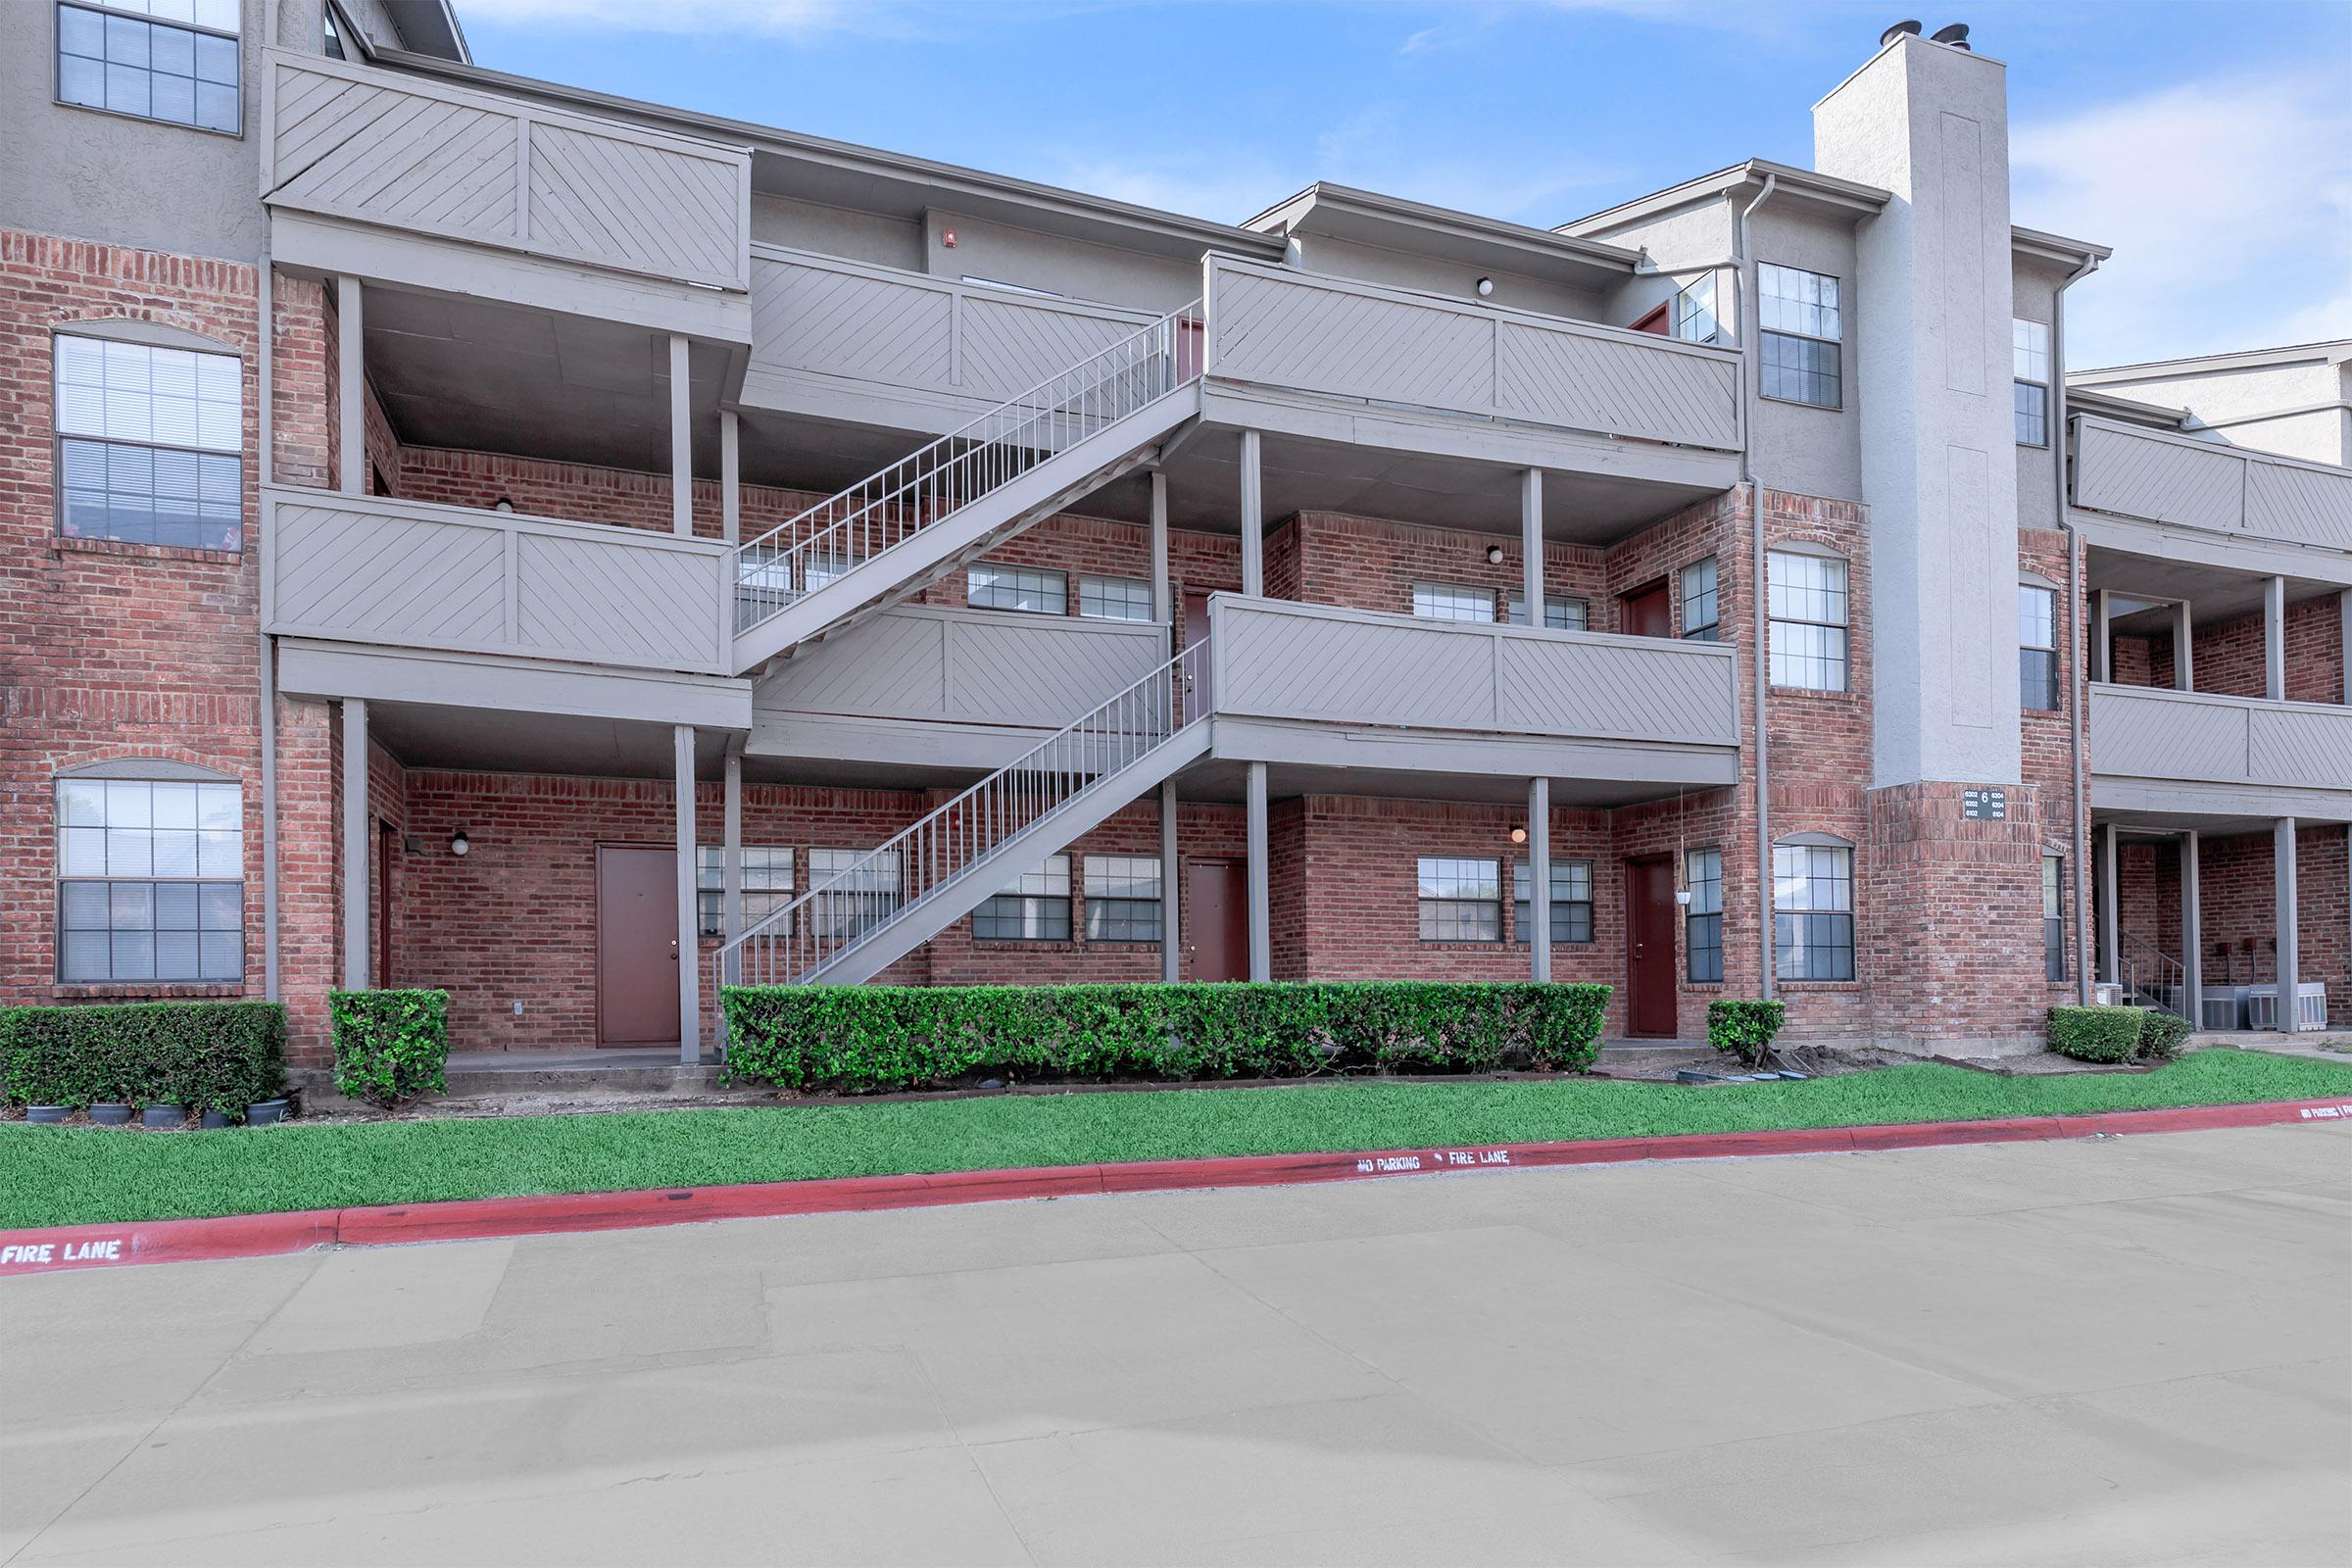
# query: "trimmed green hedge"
x,y
2096,1034
1745,1027
2161,1034
868,1039
390,1046
206,1055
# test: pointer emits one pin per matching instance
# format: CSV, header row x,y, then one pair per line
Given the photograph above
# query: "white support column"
x,y
356,900
730,476
2274,639
1254,516
1171,948
1261,938
1164,606
730,863
2290,955
2110,944
690,986
351,385
682,440
1531,546
2192,931
2184,649
1539,878
2102,636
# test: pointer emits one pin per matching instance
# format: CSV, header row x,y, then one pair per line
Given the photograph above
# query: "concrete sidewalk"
x,y
2123,1350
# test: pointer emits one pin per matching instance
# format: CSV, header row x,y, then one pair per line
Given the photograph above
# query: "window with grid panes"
x,y
1701,601
2053,917
865,896
1813,911
1122,897
1113,598
1571,902
1023,588
1036,908
1801,329
1809,609
1452,601
2037,646
171,60
1561,612
2031,350
766,884
1703,920
150,444
150,880
1461,900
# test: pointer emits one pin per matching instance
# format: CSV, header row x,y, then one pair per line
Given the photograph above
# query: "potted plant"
x,y
110,1112
265,1113
212,1120
46,1115
172,1115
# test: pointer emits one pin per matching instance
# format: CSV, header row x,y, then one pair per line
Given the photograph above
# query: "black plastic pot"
x,y
215,1119
164,1116
264,1113
111,1115
46,1115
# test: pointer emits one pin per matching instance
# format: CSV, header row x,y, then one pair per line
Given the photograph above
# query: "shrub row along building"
x,y
472,532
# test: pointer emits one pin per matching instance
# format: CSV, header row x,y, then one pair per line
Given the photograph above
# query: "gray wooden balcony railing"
x,y
2133,472
413,575
1273,658
414,154
2204,738
1308,332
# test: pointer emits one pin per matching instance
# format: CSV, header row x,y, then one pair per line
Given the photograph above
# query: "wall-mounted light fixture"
x,y
1486,286
1494,555
459,844
1518,835
947,238
503,504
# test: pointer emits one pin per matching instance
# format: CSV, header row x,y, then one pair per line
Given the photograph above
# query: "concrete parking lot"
x,y
2132,1349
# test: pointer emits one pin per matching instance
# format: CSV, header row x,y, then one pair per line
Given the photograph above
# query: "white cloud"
x,y
2229,204
1378,148
799,19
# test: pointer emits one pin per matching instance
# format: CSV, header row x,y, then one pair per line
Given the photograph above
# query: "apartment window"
x,y
1561,613
2053,917
1813,911
1122,897
1113,598
1702,918
866,894
149,444
1695,319
1809,609
150,880
821,568
1451,601
2037,645
1799,313
169,60
332,41
1461,900
766,885
1023,588
2031,342
1700,605
1571,902
1037,909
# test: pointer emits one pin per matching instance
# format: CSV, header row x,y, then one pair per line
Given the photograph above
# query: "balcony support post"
x,y
2289,947
2184,661
2102,636
351,388
1163,609
2192,931
1539,879
1171,900
1531,545
2274,639
690,1007
2110,946
356,902
681,441
1261,939
730,868
1254,516
730,477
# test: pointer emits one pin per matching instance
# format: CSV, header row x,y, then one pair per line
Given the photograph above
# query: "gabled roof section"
x,y
2089,399
429,27
2044,247
1825,193
1393,222
2335,350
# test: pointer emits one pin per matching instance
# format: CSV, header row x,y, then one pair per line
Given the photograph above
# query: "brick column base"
x,y
1952,947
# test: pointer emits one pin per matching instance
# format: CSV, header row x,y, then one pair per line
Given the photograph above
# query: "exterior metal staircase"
x,y
883,905
893,533
2151,977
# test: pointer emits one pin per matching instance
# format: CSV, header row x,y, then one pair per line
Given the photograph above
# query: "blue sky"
x,y
2210,143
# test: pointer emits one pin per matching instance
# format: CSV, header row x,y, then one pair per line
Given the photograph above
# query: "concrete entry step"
x,y
551,1076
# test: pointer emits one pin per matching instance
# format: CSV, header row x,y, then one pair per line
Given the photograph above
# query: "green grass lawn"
x,y
56,1176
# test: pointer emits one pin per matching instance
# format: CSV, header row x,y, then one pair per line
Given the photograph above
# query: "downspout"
x,y
1745,281
267,650
2073,621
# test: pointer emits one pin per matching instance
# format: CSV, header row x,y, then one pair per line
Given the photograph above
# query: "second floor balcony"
x,y
2152,476
2173,750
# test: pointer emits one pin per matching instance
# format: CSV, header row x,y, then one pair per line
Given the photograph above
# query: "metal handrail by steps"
x,y
2152,976
832,538
986,825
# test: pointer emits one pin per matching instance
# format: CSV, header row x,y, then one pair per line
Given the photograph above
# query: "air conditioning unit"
x,y
2311,1006
2223,1008
2108,994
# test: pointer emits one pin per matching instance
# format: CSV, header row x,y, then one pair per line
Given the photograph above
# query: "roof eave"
x,y
1826,191
1540,245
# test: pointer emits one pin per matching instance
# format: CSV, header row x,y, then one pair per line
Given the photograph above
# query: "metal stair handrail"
x,y
2147,971
829,539
953,842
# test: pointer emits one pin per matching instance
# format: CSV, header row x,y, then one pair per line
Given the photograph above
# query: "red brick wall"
x,y
2228,657
2046,752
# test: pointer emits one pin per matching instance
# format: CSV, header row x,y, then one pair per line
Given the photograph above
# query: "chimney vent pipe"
x,y
1956,36
1901,29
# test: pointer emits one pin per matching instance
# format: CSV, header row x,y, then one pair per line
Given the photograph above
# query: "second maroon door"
x,y
1649,987
1216,920
636,946
1648,611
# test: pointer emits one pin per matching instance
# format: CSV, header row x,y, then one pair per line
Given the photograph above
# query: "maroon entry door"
x,y
1216,920
636,946
387,849
1647,612
1649,947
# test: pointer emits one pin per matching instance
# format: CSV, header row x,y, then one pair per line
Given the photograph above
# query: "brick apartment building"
x,y
466,531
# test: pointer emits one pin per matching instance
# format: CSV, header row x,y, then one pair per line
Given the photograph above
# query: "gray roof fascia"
x,y
1144,227
1825,191
2047,247
1423,227
2335,351
2089,399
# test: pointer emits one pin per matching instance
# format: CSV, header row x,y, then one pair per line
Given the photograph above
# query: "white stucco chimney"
x,y
1931,123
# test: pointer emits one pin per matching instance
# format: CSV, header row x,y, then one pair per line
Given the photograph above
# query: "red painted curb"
x,y
74,1247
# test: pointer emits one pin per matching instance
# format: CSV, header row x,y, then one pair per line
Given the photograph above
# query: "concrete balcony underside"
x,y
2158,756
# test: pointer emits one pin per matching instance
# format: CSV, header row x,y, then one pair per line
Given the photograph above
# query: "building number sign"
x,y
1984,806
